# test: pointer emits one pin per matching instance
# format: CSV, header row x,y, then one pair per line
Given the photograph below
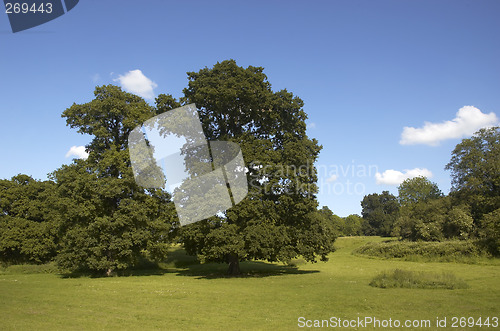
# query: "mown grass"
x,y
184,295
417,279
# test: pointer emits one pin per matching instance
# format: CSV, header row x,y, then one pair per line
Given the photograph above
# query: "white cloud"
x,y
311,125
96,78
78,151
394,177
332,178
469,119
135,82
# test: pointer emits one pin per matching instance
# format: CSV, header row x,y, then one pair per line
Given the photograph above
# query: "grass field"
x,y
182,296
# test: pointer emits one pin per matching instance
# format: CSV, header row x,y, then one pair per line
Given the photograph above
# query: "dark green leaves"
x,y
277,221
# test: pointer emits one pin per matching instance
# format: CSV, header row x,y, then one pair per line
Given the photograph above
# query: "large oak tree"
x,y
277,221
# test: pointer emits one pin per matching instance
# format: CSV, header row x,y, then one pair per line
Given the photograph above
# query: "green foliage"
x,y
109,222
25,241
423,213
433,251
28,223
353,225
475,171
165,102
422,220
337,222
469,210
412,279
490,231
277,221
379,212
434,220
459,223
417,189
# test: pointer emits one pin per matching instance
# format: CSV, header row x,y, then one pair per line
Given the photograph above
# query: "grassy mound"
x,y
445,251
412,279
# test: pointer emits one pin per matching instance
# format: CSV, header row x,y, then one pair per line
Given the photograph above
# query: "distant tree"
x,y
475,172
434,219
423,220
423,211
165,102
379,212
336,221
417,189
353,225
109,222
28,223
278,220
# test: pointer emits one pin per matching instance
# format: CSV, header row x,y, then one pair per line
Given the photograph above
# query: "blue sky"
x,y
365,70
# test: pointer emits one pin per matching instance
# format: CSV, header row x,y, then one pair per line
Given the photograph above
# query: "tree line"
x,y
421,212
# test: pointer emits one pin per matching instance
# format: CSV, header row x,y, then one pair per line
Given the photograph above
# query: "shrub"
x,y
459,223
424,280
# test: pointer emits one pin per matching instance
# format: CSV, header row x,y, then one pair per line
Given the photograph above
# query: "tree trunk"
x,y
234,265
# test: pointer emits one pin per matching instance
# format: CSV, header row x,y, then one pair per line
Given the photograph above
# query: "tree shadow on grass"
x,y
145,268
189,266
181,264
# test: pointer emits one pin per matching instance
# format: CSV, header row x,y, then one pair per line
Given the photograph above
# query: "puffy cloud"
x,y
311,125
469,119
135,82
332,178
394,177
78,151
